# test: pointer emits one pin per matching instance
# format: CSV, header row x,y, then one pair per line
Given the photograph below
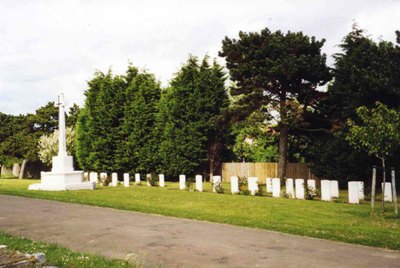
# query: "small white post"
x,y
94,177
268,184
388,192
300,188
253,185
137,178
334,188
182,182
361,189
234,185
126,179
217,180
354,192
199,183
161,179
114,179
326,190
276,187
290,187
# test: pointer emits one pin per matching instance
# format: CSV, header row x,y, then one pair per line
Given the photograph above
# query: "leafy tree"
x,y
272,69
255,141
190,115
378,132
365,72
48,145
73,114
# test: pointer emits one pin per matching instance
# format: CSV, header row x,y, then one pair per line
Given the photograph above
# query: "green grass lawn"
x,y
329,220
59,256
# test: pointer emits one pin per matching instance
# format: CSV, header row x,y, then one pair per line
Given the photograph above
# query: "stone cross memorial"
x,y
62,175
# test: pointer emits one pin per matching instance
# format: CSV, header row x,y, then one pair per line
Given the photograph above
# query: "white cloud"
x,y
52,46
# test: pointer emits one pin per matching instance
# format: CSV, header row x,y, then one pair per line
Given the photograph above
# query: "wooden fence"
x,y
265,170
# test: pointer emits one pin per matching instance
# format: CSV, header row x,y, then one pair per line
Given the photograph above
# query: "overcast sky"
x,y
52,46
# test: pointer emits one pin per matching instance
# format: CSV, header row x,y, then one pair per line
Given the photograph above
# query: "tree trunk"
x,y
283,140
384,186
22,171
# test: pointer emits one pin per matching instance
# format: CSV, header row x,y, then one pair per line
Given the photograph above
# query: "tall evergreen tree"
x,y
276,69
189,116
139,151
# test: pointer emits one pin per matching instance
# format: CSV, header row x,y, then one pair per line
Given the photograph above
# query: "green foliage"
x,y
115,129
254,141
277,72
378,132
139,151
188,118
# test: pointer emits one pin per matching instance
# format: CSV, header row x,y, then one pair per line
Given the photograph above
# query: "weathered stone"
x,y
199,183
276,187
182,182
103,176
334,188
137,178
16,169
40,258
86,176
126,179
326,190
253,185
217,180
300,188
289,187
354,192
388,192
161,179
234,184
268,184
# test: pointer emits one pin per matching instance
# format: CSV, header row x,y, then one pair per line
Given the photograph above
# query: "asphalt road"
x,y
163,241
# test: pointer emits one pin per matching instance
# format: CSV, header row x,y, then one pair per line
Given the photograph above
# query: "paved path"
x,y
173,242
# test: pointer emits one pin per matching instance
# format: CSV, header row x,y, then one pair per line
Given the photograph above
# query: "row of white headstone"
x,y
94,177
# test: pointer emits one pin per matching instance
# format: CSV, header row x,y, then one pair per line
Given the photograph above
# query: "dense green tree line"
x,y
266,106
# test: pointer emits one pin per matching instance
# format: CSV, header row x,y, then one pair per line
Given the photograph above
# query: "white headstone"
x,y
290,187
94,177
126,179
103,176
217,180
199,183
300,188
361,189
182,182
137,178
326,190
354,192
253,185
311,185
276,187
161,179
234,184
86,176
334,185
148,178
388,192
114,179
268,184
